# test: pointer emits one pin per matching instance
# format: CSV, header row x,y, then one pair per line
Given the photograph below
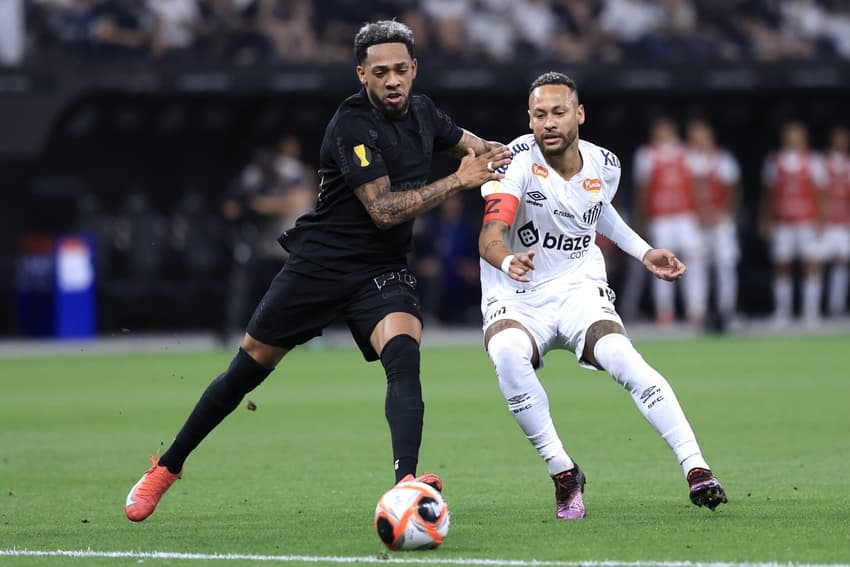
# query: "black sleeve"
x,y
446,133
356,143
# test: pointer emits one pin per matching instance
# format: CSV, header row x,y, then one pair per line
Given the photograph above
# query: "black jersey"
x,y
361,144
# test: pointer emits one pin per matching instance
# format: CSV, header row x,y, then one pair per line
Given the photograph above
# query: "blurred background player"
x,y
716,174
271,192
666,204
794,187
836,236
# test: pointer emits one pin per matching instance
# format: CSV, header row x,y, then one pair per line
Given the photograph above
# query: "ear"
x,y
530,127
361,75
580,114
413,66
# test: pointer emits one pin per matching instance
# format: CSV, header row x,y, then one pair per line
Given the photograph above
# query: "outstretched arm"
x,y
469,141
390,208
662,263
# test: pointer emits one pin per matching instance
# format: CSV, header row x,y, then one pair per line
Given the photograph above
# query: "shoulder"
x,y
521,147
604,161
355,110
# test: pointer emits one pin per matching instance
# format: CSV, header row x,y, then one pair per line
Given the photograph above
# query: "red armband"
x,y
501,207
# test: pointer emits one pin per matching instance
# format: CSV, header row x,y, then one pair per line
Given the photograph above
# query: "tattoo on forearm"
x,y
491,244
388,208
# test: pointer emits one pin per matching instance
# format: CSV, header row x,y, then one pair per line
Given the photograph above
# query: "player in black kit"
x,y
348,255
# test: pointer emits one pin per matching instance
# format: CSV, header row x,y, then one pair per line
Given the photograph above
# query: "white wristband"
x,y
506,263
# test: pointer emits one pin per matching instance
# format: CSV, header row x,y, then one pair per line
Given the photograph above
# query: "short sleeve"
x,y
356,151
512,184
446,133
643,165
730,172
819,173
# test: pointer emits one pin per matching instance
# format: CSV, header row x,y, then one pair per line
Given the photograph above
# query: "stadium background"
x,y
94,110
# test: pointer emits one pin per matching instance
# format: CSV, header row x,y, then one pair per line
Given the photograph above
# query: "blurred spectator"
x,y
447,263
716,174
12,32
448,17
271,192
175,24
794,189
139,238
289,26
836,238
666,207
490,30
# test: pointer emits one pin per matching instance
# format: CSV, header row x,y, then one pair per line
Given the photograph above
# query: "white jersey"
x,y
556,218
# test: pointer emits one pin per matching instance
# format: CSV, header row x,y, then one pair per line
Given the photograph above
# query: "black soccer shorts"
x,y
304,298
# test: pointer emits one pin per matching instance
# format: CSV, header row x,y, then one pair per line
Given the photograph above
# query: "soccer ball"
x,y
412,515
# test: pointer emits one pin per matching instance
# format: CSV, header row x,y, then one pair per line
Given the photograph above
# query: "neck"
x,y
567,163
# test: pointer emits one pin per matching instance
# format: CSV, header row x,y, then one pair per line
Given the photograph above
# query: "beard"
x,y
567,140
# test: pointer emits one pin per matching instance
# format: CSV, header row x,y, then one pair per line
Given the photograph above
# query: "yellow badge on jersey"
x,y
362,154
490,188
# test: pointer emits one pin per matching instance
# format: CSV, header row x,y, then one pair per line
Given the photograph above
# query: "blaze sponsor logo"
x,y
362,153
565,242
591,184
528,234
539,170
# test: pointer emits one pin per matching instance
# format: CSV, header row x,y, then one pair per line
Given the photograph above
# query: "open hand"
x,y
474,172
664,264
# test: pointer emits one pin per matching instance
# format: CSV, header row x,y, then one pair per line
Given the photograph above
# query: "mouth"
x,y
551,138
394,98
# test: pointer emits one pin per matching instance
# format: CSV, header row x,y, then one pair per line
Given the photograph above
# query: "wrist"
x,y
506,263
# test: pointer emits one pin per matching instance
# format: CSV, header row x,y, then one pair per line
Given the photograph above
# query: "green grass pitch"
x,y
301,474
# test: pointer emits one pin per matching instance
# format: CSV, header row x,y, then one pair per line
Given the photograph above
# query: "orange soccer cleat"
x,y
145,494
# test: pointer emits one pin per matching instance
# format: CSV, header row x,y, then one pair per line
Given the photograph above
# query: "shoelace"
x,y
157,482
566,483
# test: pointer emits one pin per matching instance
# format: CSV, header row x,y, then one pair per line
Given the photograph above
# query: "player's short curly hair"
x,y
553,78
382,31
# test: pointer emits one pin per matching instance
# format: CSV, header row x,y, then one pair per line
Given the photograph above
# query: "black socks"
x,y
403,407
220,398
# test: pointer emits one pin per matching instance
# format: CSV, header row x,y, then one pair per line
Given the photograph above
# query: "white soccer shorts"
x,y
792,241
721,243
835,242
557,314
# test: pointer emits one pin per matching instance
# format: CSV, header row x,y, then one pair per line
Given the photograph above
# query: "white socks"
x,y
653,396
838,289
511,351
782,296
812,287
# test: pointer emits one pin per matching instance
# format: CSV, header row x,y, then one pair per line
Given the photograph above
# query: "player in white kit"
x,y
544,287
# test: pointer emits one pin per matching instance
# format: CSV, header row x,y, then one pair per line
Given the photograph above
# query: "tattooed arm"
x,y
389,208
471,141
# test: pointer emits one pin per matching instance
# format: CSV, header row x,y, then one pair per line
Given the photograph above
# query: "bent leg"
x,y
246,371
650,391
512,352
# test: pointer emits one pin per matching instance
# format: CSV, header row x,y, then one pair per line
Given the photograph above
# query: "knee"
x,y
511,352
400,357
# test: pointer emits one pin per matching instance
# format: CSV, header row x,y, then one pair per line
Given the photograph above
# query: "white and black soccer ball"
x,y
412,515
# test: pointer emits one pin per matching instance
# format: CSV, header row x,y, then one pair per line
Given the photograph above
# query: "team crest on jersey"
x,y
539,170
363,155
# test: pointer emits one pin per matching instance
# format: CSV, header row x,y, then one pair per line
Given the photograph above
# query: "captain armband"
x,y
500,207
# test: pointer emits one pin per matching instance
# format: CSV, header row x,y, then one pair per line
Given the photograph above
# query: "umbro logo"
x,y
536,195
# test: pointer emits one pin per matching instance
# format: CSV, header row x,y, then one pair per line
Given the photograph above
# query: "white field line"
x,y
399,559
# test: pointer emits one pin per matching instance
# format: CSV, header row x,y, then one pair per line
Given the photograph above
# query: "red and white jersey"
x,y
838,192
715,174
793,179
664,171
556,217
